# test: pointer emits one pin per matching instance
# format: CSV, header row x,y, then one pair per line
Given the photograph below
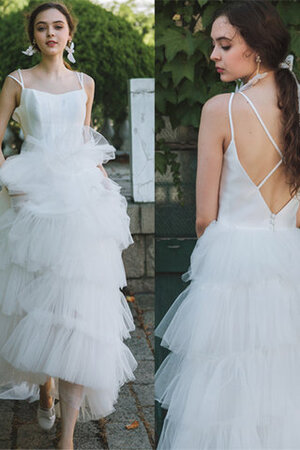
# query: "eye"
x,y
41,28
226,47
58,27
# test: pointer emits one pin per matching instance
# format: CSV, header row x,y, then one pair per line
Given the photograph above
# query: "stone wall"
x,y
139,257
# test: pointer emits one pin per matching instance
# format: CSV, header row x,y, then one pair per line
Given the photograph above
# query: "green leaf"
x,y
189,115
161,162
160,101
204,44
176,41
289,12
202,2
159,54
163,79
180,69
295,42
170,95
192,92
217,88
208,13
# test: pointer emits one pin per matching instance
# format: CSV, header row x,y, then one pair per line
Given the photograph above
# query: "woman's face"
x,y
233,57
51,32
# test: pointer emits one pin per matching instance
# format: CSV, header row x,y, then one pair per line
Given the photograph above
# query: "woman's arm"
x,y
89,85
212,134
8,102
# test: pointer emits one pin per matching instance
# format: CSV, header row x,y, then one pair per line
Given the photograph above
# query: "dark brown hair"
x,y
263,30
61,7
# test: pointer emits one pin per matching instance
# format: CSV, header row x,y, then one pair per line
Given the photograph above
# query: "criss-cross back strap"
x,y
262,123
20,81
80,78
266,131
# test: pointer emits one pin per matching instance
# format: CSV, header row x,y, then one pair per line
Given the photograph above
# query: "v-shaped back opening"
x,y
275,146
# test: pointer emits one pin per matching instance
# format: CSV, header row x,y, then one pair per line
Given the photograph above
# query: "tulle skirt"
x,y
62,313
232,379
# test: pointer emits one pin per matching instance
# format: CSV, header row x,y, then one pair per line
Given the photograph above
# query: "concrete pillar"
x,y
141,113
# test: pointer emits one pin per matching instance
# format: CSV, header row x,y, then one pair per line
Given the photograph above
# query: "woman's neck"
x,y
53,66
253,74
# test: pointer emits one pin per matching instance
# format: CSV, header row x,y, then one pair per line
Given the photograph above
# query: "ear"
x,y
249,53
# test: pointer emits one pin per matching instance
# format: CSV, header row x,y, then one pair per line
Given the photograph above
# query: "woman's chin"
x,y
226,78
50,51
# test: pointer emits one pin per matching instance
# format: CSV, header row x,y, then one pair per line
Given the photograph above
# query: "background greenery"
x,y
107,47
185,77
142,21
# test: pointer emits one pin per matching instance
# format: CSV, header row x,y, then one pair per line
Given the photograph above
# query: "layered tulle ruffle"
x,y
62,311
231,380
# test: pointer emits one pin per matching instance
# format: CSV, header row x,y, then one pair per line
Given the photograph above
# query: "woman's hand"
x,y
102,170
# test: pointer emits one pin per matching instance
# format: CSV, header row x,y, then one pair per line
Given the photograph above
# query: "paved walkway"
x,y
19,429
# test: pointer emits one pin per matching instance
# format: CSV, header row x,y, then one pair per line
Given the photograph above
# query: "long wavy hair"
x,y
61,7
263,30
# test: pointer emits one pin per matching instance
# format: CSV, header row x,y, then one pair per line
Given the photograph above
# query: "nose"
x,y
50,31
215,55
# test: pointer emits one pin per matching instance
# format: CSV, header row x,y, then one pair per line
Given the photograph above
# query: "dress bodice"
x,y
57,141
43,114
40,112
241,203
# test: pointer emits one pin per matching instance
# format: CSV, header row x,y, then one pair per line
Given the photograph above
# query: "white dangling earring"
x,y
70,50
31,49
258,61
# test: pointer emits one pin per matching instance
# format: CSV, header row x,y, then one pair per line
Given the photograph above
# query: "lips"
x,y
51,43
219,69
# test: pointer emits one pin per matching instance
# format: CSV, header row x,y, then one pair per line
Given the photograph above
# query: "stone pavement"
x,y
19,429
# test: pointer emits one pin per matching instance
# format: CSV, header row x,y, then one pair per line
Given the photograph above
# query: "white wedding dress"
x,y
62,313
232,379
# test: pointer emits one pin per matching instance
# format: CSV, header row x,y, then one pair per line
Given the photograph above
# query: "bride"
x,y
231,380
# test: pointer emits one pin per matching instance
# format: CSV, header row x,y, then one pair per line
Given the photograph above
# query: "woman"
x,y
231,380
63,317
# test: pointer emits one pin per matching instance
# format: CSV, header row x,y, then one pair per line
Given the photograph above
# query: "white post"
x,y
141,107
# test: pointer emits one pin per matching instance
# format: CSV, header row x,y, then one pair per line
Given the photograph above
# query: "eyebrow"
x,y
221,38
56,21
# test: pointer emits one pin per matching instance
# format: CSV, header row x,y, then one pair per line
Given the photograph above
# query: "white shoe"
x,y
46,417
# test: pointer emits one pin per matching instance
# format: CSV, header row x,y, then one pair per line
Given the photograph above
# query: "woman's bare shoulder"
x,y
215,116
88,81
14,74
217,105
10,84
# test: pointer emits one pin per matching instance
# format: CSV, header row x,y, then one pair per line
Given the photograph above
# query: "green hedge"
x,y
107,47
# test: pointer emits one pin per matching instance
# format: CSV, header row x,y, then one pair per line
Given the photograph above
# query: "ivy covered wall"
x,y
185,77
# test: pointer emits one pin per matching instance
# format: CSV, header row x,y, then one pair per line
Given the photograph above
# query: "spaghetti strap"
x,y
267,133
230,116
14,78
21,77
262,122
80,78
20,81
269,174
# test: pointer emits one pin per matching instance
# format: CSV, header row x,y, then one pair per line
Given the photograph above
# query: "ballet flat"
x,y
46,417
